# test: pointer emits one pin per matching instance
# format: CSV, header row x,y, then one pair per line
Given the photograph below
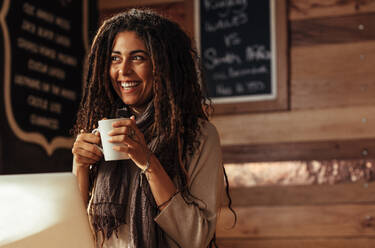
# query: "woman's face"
x,y
131,70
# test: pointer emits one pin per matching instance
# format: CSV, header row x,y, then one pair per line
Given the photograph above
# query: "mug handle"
x,y
94,131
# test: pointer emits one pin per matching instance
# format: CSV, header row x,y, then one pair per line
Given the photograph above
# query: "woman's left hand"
x,y
127,132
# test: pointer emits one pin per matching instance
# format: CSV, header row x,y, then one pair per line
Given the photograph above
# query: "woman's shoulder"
x,y
209,131
209,154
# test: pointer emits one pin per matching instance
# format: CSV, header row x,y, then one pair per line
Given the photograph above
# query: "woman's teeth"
x,y
127,85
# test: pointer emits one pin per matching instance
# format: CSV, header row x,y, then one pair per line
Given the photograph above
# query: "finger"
x,y
79,152
138,132
84,160
124,139
86,156
86,149
120,123
124,149
131,151
129,123
82,144
127,127
89,137
126,122
120,131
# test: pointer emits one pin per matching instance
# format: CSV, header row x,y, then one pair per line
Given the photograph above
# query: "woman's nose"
x,y
125,69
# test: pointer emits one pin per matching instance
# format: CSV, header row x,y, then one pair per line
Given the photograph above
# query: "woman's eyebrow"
x,y
133,52
139,51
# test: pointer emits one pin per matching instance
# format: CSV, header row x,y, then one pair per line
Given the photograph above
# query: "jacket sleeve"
x,y
193,225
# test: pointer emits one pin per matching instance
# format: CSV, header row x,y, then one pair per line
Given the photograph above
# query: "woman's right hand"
x,y
85,149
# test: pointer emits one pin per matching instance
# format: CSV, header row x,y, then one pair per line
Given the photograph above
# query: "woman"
x,y
169,192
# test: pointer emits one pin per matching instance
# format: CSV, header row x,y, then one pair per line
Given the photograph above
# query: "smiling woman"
x,y
169,193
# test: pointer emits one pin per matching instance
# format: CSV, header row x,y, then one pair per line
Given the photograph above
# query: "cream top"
x,y
188,225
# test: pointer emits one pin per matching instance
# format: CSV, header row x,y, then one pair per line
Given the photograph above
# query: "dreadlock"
x,y
179,95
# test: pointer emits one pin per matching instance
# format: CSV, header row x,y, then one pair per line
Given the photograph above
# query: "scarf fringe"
x,y
102,222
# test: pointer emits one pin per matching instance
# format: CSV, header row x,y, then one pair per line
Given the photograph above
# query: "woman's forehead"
x,y
128,41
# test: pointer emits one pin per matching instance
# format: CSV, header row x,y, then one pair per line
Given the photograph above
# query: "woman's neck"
x,y
137,111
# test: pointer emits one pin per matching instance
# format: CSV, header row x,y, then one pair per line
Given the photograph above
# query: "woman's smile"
x,y
129,86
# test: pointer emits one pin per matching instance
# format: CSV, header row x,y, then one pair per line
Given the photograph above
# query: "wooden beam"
x,y
297,126
190,9
297,243
342,29
307,195
331,221
337,75
322,8
318,150
327,216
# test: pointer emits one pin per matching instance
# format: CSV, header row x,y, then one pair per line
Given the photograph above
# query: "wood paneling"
x,y
332,86
299,222
345,193
189,6
319,150
306,9
298,243
297,126
337,75
330,30
300,216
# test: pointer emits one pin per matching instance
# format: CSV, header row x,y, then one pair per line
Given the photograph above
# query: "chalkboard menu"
x,y
237,49
43,48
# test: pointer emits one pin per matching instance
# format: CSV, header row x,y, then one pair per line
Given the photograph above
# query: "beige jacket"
x,y
187,225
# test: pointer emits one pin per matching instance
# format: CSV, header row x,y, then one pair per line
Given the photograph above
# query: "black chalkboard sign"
x,y
44,45
237,49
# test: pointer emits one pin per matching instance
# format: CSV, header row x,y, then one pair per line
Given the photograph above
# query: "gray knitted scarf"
x,y
111,196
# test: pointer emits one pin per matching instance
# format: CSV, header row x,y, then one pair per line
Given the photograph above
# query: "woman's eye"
x,y
115,58
137,57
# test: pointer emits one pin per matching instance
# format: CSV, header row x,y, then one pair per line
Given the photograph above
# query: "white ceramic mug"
x,y
104,127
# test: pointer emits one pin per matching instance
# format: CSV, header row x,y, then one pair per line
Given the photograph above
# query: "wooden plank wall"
x,y
328,216
330,116
331,90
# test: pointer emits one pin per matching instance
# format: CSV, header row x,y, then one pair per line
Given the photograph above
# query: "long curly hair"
x,y
179,95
